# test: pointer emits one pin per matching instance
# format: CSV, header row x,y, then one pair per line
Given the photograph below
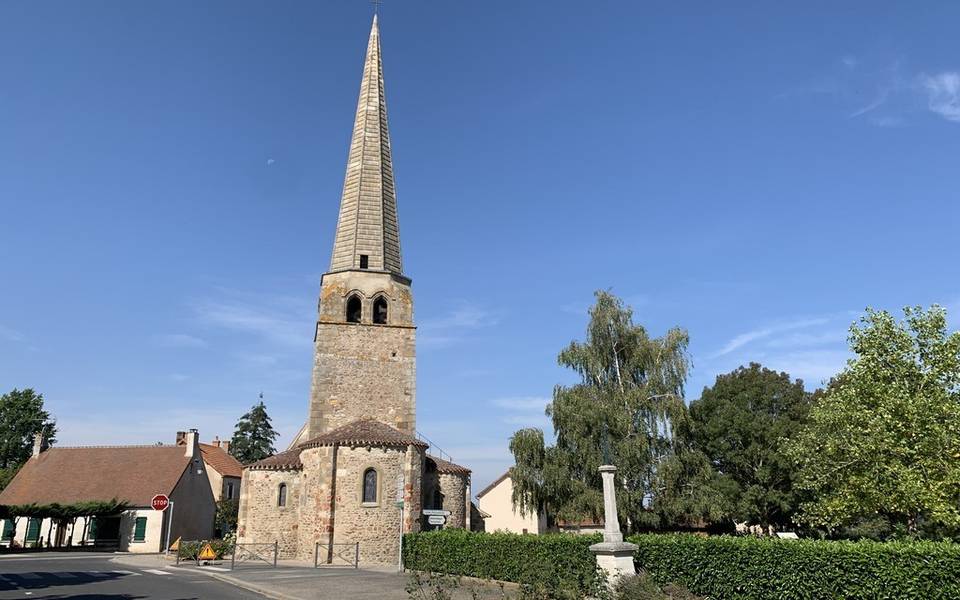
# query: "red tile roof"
x,y
134,474
364,432
285,461
445,466
221,461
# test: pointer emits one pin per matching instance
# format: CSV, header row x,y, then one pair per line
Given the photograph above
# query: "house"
x,y
223,470
133,474
496,503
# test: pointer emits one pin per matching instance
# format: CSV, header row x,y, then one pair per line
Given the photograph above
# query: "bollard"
x,y
276,551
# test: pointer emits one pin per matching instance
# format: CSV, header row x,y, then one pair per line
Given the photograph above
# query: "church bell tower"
x,y
364,348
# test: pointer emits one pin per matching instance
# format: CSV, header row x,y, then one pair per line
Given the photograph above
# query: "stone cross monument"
x,y
613,554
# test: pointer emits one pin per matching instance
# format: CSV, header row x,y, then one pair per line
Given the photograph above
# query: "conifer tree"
x,y
254,436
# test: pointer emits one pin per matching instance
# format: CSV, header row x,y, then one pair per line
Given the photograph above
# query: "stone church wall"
x,y
316,499
261,520
454,489
376,526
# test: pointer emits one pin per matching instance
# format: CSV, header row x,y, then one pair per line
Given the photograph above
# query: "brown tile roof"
x,y
66,475
445,466
364,432
221,461
285,461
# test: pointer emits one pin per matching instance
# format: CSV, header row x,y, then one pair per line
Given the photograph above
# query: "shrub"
x,y
554,564
765,568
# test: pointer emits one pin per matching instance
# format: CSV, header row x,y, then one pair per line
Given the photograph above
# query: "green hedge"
x,y
744,568
552,561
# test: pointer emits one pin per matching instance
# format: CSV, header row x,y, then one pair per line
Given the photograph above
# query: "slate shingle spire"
x,y
367,225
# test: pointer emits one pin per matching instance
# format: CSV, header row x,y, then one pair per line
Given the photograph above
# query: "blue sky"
x,y
170,174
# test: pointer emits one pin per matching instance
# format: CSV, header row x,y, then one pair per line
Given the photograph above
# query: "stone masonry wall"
x,y
376,525
363,369
454,490
260,519
316,501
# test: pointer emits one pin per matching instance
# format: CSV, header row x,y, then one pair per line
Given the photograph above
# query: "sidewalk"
x,y
295,580
291,580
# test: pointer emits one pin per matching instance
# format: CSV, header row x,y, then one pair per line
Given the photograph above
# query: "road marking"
x,y
131,573
157,572
209,568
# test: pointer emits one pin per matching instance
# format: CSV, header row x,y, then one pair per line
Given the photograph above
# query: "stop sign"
x,y
160,502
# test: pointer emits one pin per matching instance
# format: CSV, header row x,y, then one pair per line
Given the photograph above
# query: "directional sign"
x,y
436,519
431,512
160,502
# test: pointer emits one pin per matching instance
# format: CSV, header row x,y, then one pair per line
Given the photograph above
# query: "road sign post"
x,y
161,503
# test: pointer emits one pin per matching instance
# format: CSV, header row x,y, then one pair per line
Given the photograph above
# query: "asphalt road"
x,y
93,577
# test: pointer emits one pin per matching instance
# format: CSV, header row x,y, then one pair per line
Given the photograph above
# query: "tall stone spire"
x,y
367,226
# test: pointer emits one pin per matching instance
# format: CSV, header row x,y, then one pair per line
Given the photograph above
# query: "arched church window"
x,y
369,485
380,310
354,308
282,495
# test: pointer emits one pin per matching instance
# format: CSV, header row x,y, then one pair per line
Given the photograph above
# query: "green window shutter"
x,y
8,529
92,533
140,529
33,530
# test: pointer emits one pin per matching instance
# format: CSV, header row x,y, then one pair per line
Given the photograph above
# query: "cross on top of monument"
x,y
376,6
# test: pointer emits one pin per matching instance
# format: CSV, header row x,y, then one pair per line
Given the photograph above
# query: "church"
x,y
357,473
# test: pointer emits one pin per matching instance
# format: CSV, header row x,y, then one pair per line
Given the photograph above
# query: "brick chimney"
x,y
38,445
225,444
191,441
181,438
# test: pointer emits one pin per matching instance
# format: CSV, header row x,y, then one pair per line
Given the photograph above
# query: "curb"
x,y
251,587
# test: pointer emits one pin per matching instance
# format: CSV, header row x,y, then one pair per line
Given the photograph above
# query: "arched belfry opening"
x,y
354,309
380,310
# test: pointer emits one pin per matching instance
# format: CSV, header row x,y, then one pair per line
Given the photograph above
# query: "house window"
x,y
229,490
364,261
8,530
354,308
140,529
33,529
369,486
282,495
380,310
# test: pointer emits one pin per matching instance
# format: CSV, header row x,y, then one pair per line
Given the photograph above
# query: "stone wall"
x,y
260,519
453,486
376,525
363,369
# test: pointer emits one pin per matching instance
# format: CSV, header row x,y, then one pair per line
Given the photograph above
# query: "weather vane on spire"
x,y
376,6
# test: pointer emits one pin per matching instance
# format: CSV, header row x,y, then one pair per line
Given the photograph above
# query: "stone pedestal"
x,y
613,554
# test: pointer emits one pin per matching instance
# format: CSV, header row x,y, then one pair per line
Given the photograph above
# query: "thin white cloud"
x,y
524,403
179,340
454,326
850,61
750,336
270,161
278,319
11,335
943,94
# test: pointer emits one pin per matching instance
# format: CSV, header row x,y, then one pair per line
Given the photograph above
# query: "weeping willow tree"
x,y
623,411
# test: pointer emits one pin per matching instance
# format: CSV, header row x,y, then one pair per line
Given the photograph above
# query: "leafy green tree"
x,y
21,416
622,412
884,439
254,436
225,520
741,425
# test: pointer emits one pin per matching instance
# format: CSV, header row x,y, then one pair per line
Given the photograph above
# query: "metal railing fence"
x,y
341,554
